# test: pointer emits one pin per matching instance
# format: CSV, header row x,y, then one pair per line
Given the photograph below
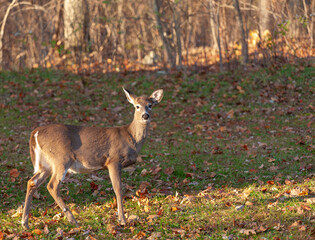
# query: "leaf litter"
x,y
241,149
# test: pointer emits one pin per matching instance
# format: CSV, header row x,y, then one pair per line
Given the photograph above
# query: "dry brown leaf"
x,y
37,231
150,218
91,238
248,203
75,211
111,229
248,231
174,209
156,170
139,235
297,224
169,170
212,174
74,231
133,218
178,231
14,173
230,114
155,236
310,200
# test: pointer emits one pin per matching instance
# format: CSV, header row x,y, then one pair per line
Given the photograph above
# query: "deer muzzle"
x,y
145,116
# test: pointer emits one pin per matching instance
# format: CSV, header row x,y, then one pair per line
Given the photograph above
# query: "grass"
x,y
229,155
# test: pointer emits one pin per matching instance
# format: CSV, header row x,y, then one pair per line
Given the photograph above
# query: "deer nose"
x,y
145,116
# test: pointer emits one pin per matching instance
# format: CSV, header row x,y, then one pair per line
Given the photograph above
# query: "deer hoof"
x,y
122,222
25,225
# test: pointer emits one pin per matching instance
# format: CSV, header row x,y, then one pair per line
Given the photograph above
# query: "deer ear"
x,y
130,97
157,96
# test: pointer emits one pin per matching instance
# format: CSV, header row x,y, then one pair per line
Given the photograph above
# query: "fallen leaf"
x,y
174,209
75,211
156,170
139,235
270,182
93,186
212,174
189,175
248,203
245,147
133,218
111,229
91,238
178,231
155,236
248,231
310,200
240,89
297,224
262,229
271,159
169,170
74,231
150,218
14,173
230,114
46,230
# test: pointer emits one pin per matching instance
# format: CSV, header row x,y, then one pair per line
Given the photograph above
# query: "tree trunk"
x,y
244,59
121,28
212,25
170,57
264,16
218,38
74,14
178,35
309,23
4,21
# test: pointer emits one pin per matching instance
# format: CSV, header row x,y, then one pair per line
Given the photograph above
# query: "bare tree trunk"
x,y
178,35
263,16
243,35
171,58
218,37
121,28
309,24
312,24
4,21
212,25
74,11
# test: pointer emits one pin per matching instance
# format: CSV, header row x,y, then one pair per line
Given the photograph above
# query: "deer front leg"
x,y
115,177
54,190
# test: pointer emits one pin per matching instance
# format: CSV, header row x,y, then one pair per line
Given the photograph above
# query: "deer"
x,y
58,149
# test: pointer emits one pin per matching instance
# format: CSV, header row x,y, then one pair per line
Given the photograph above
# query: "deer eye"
x,y
138,107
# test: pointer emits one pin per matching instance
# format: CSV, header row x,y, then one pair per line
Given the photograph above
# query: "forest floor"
x,y
229,155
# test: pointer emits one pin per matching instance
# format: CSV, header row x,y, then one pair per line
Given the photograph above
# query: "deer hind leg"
x,y
54,190
115,177
32,186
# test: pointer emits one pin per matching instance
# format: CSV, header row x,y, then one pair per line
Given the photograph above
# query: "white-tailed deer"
x,y
58,149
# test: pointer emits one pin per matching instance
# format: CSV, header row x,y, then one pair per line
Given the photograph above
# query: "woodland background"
x,y
120,35
230,154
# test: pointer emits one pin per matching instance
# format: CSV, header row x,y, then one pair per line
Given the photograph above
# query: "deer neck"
x,y
138,132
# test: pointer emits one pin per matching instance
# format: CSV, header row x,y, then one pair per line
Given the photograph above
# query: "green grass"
x,y
236,139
